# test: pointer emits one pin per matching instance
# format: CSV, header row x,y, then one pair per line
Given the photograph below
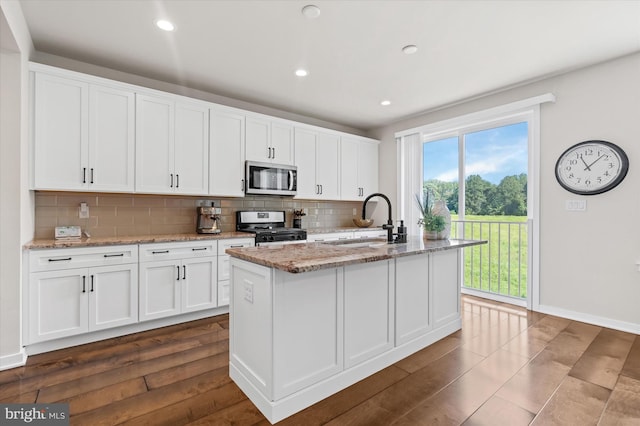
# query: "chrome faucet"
x,y
389,224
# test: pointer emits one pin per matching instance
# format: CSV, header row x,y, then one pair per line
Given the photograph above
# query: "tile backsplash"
x,y
113,215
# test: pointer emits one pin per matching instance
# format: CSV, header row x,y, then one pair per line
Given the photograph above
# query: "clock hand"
x,y
596,160
585,163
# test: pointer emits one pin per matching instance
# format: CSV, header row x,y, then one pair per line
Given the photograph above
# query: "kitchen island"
x,y
308,320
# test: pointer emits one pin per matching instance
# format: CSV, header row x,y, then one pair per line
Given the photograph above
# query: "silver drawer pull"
x,y
114,255
160,252
236,245
59,260
199,249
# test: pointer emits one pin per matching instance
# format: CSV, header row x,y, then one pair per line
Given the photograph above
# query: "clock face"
x,y
591,167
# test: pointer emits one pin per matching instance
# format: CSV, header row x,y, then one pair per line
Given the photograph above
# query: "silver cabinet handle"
x,y
178,267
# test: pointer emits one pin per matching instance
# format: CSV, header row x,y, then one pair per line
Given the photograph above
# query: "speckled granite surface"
x,y
296,258
141,239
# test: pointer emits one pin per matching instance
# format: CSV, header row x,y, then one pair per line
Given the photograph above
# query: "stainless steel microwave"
x,y
270,179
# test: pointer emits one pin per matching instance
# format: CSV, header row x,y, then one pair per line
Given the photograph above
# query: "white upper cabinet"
x,y
83,136
226,162
316,156
269,141
191,153
111,139
172,147
94,134
358,168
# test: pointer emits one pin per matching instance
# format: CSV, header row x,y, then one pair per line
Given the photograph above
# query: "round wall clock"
x,y
592,167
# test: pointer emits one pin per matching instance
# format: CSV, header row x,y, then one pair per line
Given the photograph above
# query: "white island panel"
x,y
368,310
308,338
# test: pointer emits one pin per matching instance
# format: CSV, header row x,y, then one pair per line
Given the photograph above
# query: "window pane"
x,y
440,170
496,171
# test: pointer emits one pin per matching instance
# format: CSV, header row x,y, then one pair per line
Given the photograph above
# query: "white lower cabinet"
x,y
176,278
224,286
65,299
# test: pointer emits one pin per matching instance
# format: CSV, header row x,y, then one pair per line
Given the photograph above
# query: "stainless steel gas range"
x,y
269,227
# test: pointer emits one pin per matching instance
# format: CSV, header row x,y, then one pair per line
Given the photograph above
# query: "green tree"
x,y
478,193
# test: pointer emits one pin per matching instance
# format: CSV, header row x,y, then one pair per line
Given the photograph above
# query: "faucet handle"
x,y
387,226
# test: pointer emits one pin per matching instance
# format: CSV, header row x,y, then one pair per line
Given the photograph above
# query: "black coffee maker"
x,y
208,221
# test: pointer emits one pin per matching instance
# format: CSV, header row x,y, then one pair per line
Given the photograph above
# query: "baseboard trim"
x,y
17,359
628,327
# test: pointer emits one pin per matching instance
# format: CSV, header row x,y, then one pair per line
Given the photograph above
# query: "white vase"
x,y
440,209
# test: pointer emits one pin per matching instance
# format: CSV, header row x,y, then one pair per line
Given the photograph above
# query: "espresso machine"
x,y
208,220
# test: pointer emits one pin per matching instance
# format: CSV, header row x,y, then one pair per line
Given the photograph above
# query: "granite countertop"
x,y
139,239
297,258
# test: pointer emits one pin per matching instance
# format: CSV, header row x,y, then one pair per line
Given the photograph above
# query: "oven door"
x,y
270,179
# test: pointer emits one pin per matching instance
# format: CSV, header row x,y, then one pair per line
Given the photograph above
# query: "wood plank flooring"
x,y
507,366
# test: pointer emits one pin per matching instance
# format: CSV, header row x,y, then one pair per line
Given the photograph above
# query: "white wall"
x,y
588,259
16,202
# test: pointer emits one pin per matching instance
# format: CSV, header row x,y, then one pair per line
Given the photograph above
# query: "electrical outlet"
x,y
84,211
248,292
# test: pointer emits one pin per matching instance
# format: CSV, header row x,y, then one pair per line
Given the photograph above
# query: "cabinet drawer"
x,y
171,251
81,257
223,245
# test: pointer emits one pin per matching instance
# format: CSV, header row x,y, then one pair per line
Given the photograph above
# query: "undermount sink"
x,y
360,243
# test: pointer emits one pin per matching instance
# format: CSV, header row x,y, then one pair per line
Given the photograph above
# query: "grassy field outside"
x,y
501,265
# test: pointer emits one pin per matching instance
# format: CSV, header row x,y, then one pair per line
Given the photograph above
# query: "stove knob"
x,y
270,237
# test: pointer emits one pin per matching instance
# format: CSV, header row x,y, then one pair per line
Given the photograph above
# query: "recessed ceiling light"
x,y
301,73
386,102
410,49
165,25
311,11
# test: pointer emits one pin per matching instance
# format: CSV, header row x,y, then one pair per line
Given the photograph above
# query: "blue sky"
x,y
492,154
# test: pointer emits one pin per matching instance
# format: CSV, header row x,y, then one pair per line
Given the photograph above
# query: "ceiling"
x,y
249,50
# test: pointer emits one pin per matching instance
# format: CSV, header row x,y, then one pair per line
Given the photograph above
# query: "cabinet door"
x,y
60,133
367,168
113,296
159,289
111,139
369,311
412,297
154,145
226,159
199,288
327,155
191,161
349,189
444,279
58,305
258,140
282,143
305,155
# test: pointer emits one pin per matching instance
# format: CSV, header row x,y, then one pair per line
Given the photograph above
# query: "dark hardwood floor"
x,y
507,366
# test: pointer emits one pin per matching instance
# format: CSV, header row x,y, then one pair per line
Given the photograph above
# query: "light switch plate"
x,y
576,205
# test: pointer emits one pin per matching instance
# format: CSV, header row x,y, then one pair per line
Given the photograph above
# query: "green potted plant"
x,y
434,225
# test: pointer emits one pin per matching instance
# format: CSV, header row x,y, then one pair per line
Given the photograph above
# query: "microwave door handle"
x,y
290,180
